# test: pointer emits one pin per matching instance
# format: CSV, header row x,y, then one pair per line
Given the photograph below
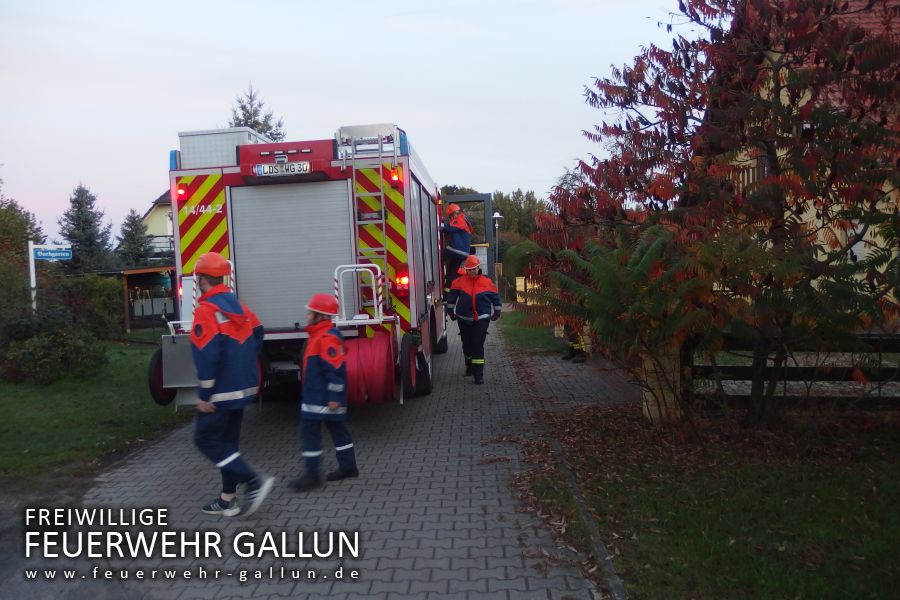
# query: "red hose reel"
x,y
371,376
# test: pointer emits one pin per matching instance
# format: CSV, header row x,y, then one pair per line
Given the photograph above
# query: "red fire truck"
x,y
357,214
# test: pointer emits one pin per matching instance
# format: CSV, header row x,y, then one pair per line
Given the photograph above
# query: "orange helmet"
x,y
212,264
452,208
324,304
471,263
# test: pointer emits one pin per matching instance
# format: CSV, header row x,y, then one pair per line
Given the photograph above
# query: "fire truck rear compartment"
x,y
289,240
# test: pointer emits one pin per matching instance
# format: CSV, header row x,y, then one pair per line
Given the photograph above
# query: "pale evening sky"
x,y
490,91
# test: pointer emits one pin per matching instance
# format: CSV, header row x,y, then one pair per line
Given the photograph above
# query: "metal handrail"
x,y
375,282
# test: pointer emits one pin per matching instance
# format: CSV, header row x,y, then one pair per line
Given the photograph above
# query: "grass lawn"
x,y
66,427
524,336
149,335
799,513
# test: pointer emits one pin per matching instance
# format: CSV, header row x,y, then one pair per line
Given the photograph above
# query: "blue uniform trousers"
x,y
311,442
473,335
217,435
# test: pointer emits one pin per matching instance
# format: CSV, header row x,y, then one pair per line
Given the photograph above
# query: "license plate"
x,y
275,170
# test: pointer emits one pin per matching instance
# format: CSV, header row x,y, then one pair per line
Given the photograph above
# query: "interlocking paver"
x,y
435,514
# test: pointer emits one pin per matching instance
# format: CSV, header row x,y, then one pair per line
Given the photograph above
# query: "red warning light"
x,y
396,175
401,285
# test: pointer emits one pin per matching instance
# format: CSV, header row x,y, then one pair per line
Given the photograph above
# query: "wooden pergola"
x,y
125,274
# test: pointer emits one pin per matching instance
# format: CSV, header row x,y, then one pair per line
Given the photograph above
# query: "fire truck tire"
x,y
441,346
424,381
161,395
438,345
408,367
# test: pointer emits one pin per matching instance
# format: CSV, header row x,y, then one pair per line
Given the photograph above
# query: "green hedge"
x,y
94,302
48,356
64,338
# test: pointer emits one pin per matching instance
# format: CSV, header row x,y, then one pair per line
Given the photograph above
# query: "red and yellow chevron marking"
x,y
371,235
202,219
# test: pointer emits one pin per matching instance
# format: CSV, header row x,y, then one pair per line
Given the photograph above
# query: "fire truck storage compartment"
x,y
215,148
288,238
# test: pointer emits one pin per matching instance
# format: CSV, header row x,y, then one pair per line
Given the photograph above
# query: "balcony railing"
x,y
163,246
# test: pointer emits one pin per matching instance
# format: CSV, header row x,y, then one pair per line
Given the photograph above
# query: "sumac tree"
x,y
750,181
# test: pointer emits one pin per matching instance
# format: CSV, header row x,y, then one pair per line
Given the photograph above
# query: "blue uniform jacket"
x,y
226,339
324,373
459,231
473,298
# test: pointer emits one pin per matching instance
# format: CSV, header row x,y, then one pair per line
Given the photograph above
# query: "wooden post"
x,y
125,299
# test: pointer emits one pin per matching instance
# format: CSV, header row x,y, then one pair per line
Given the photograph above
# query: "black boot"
x,y
340,474
570,353
580,356
304,483
469,370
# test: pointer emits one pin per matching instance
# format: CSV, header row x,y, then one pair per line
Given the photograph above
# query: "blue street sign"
x,y
53,253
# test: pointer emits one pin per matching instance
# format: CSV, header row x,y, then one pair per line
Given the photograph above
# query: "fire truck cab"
x,y
357,215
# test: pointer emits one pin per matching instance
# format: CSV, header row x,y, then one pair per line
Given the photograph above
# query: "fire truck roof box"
x,y
215,147
370,138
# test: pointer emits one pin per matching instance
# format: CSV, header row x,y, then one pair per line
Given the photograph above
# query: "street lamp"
x,y
497,216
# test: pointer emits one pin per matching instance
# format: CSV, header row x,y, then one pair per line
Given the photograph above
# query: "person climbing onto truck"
x,y
474,302
324,396
459,240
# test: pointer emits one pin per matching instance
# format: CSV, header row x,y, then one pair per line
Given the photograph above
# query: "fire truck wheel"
x,y
161,395
424,381
441,346
408,368
438,345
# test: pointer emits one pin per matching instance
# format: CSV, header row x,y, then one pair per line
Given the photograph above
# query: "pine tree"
x,y
134,245
249,111
82,226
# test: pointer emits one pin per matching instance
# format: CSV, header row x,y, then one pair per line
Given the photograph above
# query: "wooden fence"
x,y
867,379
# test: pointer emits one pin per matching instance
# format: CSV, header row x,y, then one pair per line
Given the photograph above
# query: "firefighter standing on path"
x,y
459,232
474,302
226,338
324,396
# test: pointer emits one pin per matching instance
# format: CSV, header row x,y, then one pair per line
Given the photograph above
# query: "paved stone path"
x,y
434,512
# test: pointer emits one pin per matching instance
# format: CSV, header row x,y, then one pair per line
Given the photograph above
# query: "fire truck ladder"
x,y
368,147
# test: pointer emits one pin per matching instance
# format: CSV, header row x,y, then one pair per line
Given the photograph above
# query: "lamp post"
x,y
497,216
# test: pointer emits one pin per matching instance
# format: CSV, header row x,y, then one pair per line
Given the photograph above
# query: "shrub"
x,y
94,302
14,294
517,257
48,356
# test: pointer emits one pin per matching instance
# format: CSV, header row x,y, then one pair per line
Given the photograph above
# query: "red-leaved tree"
x,y
749,188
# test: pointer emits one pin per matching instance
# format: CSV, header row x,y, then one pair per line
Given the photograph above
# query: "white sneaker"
x,y
222,507
257,490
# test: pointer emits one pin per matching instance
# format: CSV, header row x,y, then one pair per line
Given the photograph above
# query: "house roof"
x,y
163,199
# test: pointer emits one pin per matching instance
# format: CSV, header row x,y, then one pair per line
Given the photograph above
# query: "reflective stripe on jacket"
x,y
324,373
226,339
473,298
